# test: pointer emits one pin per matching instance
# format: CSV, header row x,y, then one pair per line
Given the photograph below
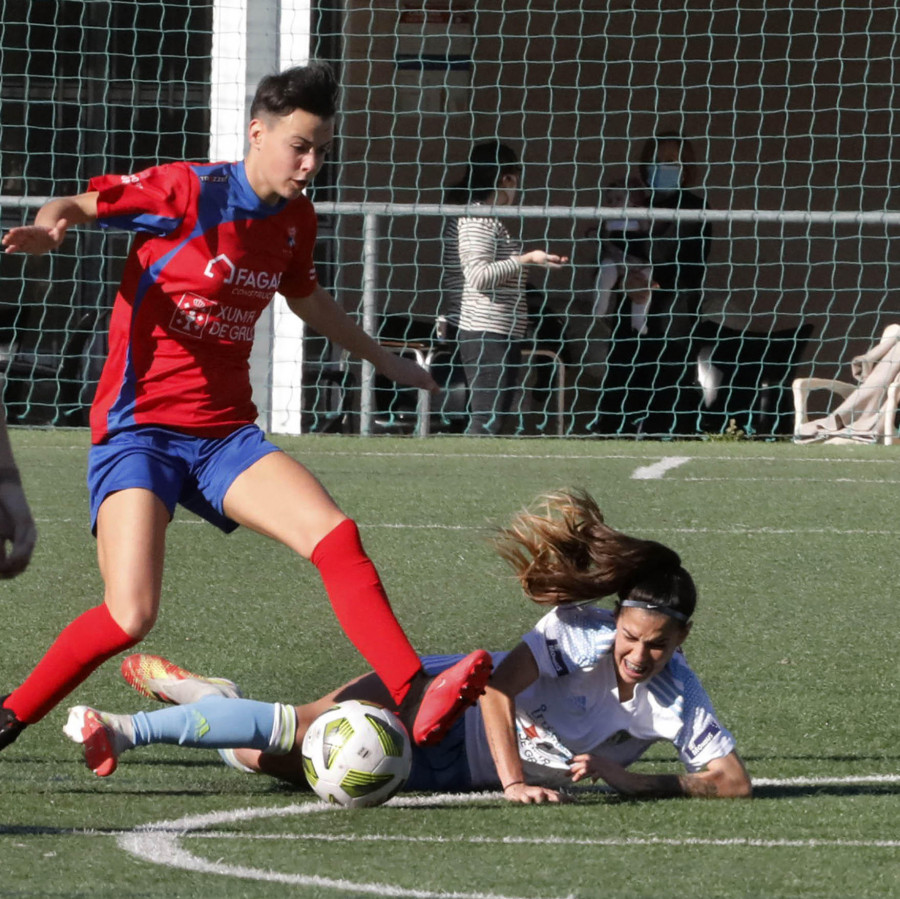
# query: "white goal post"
x,y
251,39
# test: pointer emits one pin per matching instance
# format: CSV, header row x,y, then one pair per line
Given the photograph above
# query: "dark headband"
x,y
650,607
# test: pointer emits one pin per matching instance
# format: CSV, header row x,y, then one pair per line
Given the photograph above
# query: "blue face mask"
x,y
665,178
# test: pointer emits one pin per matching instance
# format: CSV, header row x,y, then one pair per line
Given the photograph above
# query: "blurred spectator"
x,y
483,284
649,384
625,253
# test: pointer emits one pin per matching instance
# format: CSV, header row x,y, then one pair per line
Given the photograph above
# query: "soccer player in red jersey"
x,y
173,418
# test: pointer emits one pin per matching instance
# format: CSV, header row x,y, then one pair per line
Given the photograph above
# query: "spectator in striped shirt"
x,y
484,287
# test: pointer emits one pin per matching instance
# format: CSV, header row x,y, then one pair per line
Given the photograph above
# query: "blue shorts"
x,y
177,468
444,767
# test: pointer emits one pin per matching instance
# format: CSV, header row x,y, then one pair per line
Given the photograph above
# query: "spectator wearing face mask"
x,y
648,385
678,249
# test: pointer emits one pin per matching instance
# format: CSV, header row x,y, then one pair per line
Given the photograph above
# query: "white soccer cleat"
x,y
160,679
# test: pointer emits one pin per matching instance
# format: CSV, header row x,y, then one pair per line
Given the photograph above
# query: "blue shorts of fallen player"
x,y
445,766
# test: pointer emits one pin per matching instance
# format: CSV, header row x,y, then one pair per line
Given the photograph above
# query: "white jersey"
x,y
573,706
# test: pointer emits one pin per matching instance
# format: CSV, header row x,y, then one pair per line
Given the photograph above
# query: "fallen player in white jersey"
x,y
582,696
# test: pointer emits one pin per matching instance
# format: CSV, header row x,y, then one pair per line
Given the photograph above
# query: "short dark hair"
x,y
312,88
488,163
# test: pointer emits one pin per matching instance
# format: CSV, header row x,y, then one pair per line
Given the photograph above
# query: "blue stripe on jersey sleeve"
x,y
152,224
668,689
666,693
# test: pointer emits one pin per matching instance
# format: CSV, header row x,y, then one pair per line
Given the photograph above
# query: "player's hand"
x,y
861,367
35,239
543,259
639,286
529,795
18,533
596,768
407,373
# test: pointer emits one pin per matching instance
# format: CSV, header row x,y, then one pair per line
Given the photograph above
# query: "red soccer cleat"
x,y
448,695
86,726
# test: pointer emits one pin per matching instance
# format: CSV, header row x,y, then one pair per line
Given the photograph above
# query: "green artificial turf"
x,y
793,549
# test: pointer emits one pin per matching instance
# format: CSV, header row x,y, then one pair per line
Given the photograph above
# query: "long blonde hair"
x,y
562,551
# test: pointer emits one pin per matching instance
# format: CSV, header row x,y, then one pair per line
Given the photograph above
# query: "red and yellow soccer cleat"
x,y
158,678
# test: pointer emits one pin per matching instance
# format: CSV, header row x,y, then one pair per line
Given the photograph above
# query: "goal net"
x,y
686,308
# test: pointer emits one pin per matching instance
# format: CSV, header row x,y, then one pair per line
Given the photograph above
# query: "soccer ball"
x,y
356,754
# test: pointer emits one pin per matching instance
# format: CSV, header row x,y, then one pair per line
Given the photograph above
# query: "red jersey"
x,y
207,259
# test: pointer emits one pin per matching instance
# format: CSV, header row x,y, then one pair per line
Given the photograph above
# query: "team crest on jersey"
x,y
192,314
540,744
292,237
202,318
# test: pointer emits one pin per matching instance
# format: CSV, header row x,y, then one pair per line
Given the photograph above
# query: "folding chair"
x,y
879,424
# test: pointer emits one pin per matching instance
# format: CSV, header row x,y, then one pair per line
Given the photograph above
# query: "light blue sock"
x,y
216,722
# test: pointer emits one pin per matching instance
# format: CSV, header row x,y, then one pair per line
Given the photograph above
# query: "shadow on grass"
x,y
604,795
26,830
794,791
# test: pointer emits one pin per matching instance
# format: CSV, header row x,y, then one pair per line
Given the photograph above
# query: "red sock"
x,y
84,645
362,607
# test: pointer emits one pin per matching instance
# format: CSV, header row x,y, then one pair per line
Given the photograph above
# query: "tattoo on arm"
x,y
702,787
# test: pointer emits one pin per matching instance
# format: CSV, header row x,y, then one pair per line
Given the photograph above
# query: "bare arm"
x,y
513,675
51,223
723,778
322,313
17,531
543,258
17,528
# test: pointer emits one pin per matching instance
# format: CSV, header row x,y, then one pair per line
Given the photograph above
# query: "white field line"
x,y
160,842
826,781
734,531
656,471
587,457
779,480
813,843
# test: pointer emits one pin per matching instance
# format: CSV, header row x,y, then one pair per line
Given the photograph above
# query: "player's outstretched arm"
x,y
723,778
52,221
17,531
513,675
322,313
